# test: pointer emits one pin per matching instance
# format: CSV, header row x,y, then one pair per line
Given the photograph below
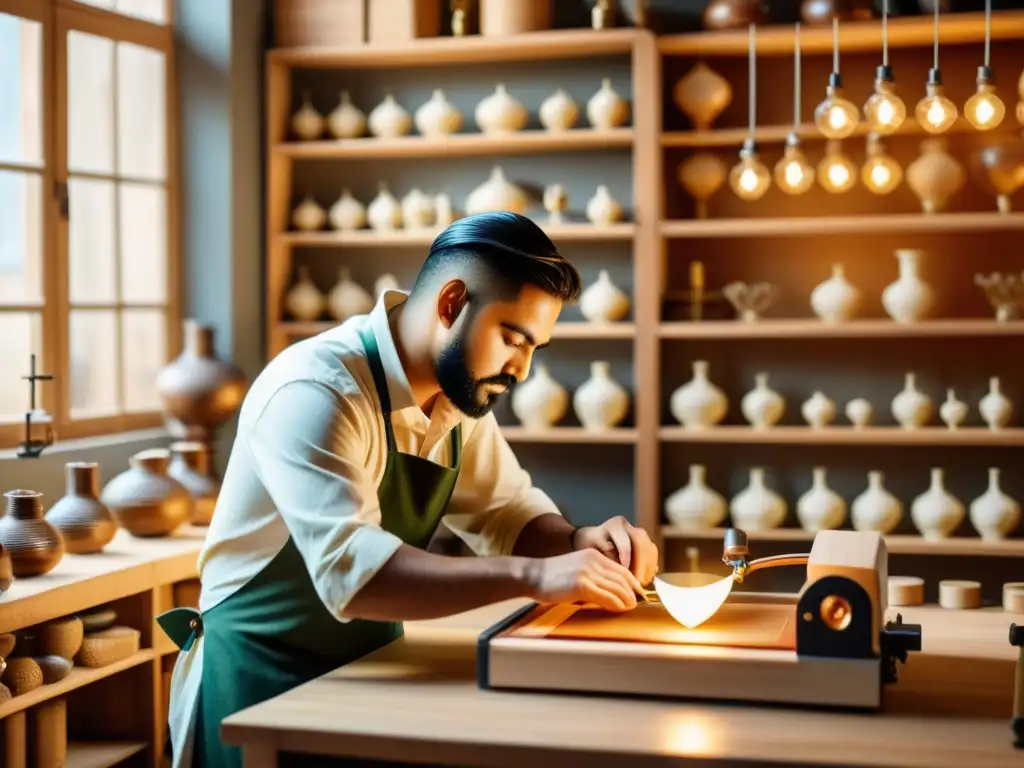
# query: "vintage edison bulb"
x,y
793,174
749,178
935,112
985,110
836,172
884,110
836,117
881,173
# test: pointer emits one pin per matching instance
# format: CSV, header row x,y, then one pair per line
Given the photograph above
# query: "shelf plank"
x,y
896,544
368,238
101,754
459,145
76,678
844,435
126,566
854,36
565,330
788,328
824,225
546,45
619,435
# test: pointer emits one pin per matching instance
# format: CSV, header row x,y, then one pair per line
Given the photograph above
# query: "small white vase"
x,y
952,411
558,112
348,298
875,509
820,508
304,301
540,402
911,408
500,112
384,212
307,123
602,208
417,209
762,406
606,109
308,216
908,299
601,402
347,213
860,412
497,193
347,121
836,299
757,507
437,117
389,119
603,301
995,408
695,506
818,411
698,404
994,515
386,282
936,512
443,215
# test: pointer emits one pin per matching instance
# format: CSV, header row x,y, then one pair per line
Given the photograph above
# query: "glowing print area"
x,y
692,598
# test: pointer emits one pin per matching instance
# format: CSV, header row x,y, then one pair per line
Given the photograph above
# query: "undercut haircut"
x,y
510,249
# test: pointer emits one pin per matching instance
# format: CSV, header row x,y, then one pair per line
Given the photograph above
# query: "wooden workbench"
x,y
416,701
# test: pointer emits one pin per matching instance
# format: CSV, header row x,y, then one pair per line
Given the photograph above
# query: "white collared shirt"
x,y
310,452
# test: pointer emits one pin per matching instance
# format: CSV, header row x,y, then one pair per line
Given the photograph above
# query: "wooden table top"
x,y
417,700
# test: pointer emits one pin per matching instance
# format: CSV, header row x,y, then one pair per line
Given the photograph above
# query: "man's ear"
x,y
451,300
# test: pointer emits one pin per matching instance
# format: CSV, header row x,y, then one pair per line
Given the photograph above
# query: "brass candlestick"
x,y
39,434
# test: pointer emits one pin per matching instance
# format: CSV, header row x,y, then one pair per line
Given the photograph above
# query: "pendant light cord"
x,y
988,30
796,78
753,78
885,32
936,54
835,43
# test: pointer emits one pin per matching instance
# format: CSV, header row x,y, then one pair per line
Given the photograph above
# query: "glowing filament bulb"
x,y
836,172
881,174
836,117
884,110
935,112
793,174
984,110
749,178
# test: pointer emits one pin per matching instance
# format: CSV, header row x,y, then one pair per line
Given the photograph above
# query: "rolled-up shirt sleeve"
x,y
309,446
495,497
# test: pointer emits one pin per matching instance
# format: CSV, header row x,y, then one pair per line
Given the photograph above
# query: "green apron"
x,y
274,633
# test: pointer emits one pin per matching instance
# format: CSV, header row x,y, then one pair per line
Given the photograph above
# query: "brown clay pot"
x,y
83,520
35,546
191,466
144,500
6,569
199,392
734,14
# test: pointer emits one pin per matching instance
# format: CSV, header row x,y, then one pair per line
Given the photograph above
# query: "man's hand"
x,y
585,576
620,540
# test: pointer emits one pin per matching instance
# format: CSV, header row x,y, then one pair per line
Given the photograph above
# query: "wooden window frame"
x,y
57,18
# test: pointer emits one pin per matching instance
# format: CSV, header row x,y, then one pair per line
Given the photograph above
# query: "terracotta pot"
x,y
35,545
83,520
6,569
199,392
144,500
191,466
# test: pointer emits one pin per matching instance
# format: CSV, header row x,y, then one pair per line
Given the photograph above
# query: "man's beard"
x,y
461,388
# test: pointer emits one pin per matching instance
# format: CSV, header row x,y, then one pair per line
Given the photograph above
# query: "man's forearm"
x,y
545,536
415,585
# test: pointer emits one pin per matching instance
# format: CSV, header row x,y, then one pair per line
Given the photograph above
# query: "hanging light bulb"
x,y
881,174
985,110
836,172
935,112
884,110
793,174
750,178
836,117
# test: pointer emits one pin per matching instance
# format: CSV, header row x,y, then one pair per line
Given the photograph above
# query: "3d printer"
x,y
693,637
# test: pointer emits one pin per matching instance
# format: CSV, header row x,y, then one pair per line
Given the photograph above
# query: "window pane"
x,y
91,265
21,237
143,224
90,103
93,370
150,10
21,112
141,114
21,334
145,344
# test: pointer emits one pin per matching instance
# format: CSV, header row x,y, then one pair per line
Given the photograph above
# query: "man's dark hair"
x,y
514,250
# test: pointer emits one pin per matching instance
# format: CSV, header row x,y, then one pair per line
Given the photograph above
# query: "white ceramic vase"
x,y
908,299
558,112
937,513
603,301
417,209
500,112
437,117
347,213
994,515
875,509
346,121
820,508
698,404
762,406
389,119
307,123
757,507
953,412
602,208
696,506
308,216
836,299
606,109
540,402
818,411
348,298
304,301
601,402
995,408
497,193
860,412
911,408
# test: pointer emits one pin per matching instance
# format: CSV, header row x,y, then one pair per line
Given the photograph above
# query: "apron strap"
x,y
380,381
456,434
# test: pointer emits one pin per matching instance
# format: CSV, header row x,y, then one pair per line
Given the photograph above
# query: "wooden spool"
x,y
1013,597
906,590
959,595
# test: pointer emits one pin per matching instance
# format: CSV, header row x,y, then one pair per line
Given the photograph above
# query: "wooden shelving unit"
x,y
773,241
